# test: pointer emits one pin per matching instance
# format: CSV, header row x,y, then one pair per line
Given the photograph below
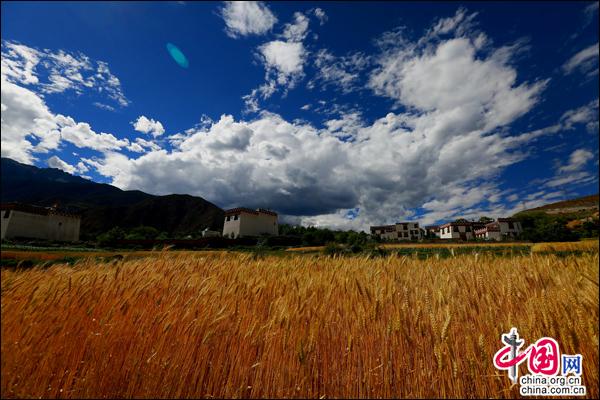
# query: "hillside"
x,y
568,206
104,206
581,208
565,220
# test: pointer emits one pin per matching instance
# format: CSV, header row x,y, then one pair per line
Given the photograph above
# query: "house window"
x,y
510,225
405,234
455,229
235,217
468,229
6,213
227,218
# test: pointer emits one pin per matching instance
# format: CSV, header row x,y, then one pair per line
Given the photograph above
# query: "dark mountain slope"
x,y
104,206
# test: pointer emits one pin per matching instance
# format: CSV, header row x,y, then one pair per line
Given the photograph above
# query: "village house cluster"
x,y
459,230
50,223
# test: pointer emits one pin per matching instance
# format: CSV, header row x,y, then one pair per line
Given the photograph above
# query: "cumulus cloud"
x,y
584,61
148,125
286,58
56,162
443,153
297,30
141,146
283,60
25,114
81,135
483,89
26,119
58,71
284,67
243,18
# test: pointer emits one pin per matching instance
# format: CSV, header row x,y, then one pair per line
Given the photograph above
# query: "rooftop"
x,y
33,209
239,210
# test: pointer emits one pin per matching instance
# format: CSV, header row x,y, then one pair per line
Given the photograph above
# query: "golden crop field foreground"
x,y
229,325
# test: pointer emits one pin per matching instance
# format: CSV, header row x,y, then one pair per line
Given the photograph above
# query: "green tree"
x,y
111,237
143,233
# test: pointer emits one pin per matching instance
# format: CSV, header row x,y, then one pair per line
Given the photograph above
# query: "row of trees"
x,y
537,227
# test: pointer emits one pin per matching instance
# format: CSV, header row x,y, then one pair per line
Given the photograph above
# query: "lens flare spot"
x,y
177,55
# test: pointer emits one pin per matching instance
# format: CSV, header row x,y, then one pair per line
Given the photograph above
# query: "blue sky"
x,y
333,114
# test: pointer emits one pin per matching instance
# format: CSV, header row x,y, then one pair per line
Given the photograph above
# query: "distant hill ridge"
x,y
581,203
104,206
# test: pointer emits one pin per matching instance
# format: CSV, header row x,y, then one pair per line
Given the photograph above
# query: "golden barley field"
x,y
236,325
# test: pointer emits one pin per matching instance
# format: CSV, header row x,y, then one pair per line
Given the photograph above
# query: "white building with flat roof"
x,y
398,231
500,229
48,223
459,230
243,221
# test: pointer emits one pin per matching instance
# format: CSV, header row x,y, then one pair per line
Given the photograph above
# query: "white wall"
x,y
49,227
444,234
250,225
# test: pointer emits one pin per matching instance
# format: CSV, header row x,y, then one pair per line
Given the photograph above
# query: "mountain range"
x,y
103,206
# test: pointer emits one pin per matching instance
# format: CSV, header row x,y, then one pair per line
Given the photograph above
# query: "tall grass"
x,y
231,325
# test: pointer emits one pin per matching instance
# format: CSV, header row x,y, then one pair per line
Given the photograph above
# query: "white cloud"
x,y
104,106
385,169
141,146
64,71
321,16
480,88
79,169
26,119
24,114
245,18
148,125
587,115
55,162
585,61
82,168
444,152
81,135
286,58
19,62
572,173
589,12
283,61
460,24
296,31
578,159
343,72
